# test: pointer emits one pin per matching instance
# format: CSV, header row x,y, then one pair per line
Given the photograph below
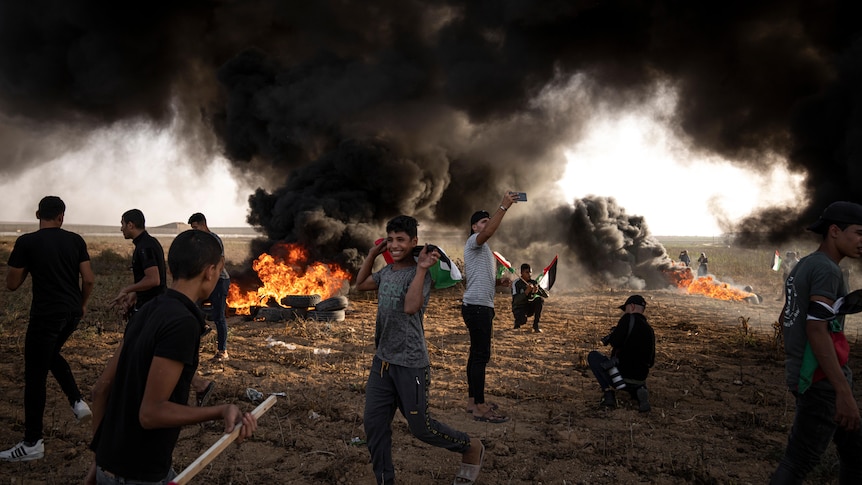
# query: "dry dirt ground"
x,y
720,413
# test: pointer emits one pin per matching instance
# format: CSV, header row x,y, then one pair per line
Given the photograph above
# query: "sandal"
x,y
468,472
203,397
494,406
491,417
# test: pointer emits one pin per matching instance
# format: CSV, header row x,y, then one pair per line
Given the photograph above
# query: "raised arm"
x,y
496,218
413,299
364,280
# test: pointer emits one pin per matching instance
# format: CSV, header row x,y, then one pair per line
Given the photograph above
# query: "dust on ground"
x,y
720,411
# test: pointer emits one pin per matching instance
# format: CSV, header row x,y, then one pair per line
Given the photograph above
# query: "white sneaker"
x,y
22,452
82,411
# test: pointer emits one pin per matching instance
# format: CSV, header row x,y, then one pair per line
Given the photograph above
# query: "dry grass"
x,y
720,410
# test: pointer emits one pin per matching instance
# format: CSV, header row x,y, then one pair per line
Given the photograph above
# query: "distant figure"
x,y
703,265
59,265
817,369
790,260
218,298
526,300
685,258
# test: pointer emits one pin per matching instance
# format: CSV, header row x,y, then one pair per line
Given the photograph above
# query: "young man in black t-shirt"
x,y
140,399
59,265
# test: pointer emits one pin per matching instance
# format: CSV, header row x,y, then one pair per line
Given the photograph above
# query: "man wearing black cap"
x,y
478,308
632,355
59,264
817,351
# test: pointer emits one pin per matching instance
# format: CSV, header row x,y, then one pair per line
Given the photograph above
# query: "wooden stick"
x,y
202,461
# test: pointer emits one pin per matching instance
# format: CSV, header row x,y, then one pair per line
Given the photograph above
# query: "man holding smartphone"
x,y
478,306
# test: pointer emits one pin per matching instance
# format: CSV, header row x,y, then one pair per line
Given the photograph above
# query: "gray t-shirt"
x,y
480,271
814,275
399,337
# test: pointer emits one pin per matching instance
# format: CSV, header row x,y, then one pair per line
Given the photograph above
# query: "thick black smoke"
x,y
435,108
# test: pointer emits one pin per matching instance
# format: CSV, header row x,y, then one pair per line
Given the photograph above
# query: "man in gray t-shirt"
x,y
817,352
478,307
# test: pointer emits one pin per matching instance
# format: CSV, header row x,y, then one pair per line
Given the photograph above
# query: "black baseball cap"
x,y
636,299
476,217
837,213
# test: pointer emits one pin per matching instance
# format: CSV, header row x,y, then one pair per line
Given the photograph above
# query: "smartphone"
x,y
522,197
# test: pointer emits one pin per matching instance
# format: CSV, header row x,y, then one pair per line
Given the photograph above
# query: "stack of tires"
x,y
329,310
311,307
297,306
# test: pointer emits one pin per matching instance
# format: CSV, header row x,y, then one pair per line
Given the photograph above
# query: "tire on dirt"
x,y
295,313
323,316
332,304
300,301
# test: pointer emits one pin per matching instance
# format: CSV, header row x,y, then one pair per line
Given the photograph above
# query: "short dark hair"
x,y
526,266
50,207
197,217
136,217
191,252
405,224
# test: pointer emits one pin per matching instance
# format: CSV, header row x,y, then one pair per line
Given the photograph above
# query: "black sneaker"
x,y
643,400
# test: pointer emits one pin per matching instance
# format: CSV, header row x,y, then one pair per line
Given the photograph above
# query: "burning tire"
x,y
300,301
326,316
332,304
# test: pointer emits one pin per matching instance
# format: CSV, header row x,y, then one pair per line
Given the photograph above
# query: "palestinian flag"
x,y
444,273
776,261
504,265
548,278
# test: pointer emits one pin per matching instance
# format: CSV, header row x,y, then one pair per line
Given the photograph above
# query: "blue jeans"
x,y
217,299
104,477
480,323
45,338
813,428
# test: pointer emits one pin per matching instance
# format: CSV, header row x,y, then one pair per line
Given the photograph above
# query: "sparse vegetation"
x,y
720,411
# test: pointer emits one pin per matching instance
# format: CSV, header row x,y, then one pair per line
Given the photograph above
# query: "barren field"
x,y
720,412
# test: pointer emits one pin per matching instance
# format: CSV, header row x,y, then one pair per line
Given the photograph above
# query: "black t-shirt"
x,y
148,253
169,327
635,350
53,257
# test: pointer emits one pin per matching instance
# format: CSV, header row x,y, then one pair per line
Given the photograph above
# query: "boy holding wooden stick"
x,y
140,401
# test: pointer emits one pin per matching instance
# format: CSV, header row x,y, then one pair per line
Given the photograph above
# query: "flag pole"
x,y
219,446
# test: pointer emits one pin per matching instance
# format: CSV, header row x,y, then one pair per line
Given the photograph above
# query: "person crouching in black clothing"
x,y
632,355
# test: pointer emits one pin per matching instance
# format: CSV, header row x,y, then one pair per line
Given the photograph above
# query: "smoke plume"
x,y
358,111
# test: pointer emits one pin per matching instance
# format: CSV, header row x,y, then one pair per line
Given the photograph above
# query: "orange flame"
x,y
682,277
288,273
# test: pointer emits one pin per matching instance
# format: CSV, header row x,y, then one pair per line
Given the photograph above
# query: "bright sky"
x,y
121,169
636,160
629,157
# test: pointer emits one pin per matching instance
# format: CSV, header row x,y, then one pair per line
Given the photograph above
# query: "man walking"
x,y
817,352
59,265
218,298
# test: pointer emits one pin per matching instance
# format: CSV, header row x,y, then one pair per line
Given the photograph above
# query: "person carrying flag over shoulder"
x,y
817,352
400,374
478,306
